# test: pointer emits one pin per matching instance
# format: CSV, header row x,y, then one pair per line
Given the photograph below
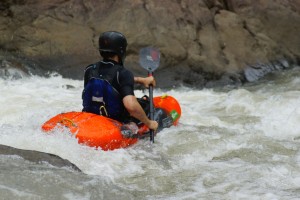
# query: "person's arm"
x,y
129,100
135,110
146,81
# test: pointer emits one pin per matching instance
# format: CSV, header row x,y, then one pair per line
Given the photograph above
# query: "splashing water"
x,y
236,144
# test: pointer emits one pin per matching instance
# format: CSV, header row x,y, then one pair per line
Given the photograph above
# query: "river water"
x,y
230,144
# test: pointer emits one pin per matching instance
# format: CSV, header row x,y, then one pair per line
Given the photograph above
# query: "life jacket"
x,y
99,96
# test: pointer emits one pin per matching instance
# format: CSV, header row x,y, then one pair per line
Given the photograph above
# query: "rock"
x,y
7,71
259,70
14,66
37,157
203,37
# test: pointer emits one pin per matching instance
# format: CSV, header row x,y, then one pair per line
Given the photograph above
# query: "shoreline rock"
x,y
201,41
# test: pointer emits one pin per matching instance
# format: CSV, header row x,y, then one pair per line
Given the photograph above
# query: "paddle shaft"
x,y
151,108
149,60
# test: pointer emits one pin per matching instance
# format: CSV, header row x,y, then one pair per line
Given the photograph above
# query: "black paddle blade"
x,y
149,58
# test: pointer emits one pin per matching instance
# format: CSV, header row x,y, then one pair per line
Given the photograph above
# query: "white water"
x,y
235,144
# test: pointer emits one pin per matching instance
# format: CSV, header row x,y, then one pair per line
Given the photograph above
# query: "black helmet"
x,y
113,42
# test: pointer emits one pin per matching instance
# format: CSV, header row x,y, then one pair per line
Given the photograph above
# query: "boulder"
x,y
200,40
37,157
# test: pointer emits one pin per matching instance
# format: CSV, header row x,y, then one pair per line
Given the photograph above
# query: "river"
x,y
240,143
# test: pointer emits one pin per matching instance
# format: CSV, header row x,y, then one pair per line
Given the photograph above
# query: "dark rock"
x,y
255,72
38,157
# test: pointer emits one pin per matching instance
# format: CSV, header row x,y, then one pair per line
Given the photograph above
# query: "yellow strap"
x,y
164,96
103,107
65,122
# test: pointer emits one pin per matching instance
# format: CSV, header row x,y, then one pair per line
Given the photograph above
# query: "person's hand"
x,y
150,80
153,125
147,81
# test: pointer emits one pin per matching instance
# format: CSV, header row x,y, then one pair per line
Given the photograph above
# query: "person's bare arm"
x,y
146,81
135,110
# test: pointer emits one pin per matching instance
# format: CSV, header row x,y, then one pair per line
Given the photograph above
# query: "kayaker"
x,y
109,86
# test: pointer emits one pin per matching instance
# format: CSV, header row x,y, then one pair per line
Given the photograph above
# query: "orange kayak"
x,y
99,131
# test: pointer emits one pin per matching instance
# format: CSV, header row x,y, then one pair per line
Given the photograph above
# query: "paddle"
x,y
149,60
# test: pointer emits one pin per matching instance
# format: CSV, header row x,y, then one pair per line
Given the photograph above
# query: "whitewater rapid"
x,y
238,143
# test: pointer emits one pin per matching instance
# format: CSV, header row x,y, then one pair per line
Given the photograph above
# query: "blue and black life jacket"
x,y
99,96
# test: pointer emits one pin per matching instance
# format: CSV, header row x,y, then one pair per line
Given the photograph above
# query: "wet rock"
x,y
37,157
14,66
230,80
255,72
8,71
